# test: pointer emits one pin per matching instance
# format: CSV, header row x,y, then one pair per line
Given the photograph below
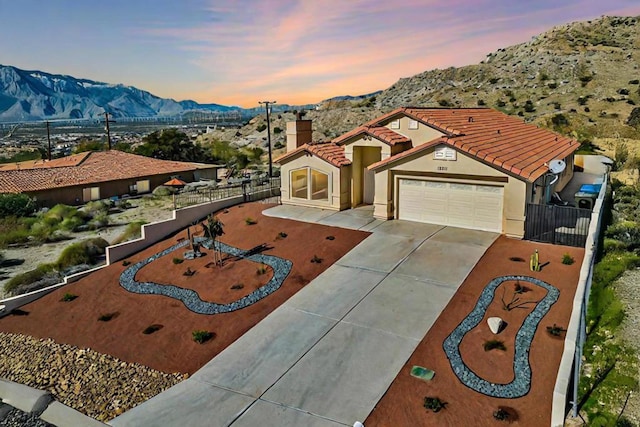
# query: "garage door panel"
x,y
474,206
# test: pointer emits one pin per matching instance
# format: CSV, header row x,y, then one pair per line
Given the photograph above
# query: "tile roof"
x,y
495,138
84,169
327,151
382,133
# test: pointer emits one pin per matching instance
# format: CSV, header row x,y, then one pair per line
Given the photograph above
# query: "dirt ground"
x,y
402,405
142,209
171,348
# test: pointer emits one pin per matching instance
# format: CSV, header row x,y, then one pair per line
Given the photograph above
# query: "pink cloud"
x,y
304,51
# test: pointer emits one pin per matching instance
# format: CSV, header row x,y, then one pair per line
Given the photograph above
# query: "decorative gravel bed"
x,y
98,385
190,298
522,382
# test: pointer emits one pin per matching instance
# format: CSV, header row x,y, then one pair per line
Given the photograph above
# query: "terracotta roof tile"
x,y
327,151
85,169
493,137
381,133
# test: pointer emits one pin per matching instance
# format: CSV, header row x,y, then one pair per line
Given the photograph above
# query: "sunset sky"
x,y
293,51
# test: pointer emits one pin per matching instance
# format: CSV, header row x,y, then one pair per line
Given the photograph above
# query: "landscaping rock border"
x,y
521,384
190,298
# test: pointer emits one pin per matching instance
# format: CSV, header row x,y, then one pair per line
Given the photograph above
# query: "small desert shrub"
x,y
555,330
201,336
68,297
434,404
250,221
316,259
132,231
529,107
85,252
262,127
330,238
501,415
16,205
28,277
189,272
126,263
613,245
261,270
481,102
494,345
177,260
237,286
282,235
567,259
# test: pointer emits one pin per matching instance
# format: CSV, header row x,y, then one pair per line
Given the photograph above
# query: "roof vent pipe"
x,y
470,119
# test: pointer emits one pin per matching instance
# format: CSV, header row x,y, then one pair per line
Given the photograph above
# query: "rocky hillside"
x,y
585,71
580,78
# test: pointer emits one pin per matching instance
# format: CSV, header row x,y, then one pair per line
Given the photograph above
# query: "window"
x,y
300,188
90,193
413,124
143,186
319,185
395,124
299,183
444,153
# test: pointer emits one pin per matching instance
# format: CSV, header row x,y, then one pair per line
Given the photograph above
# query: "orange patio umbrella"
x,y
175,182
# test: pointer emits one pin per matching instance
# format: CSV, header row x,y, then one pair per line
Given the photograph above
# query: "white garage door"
x,y
449,203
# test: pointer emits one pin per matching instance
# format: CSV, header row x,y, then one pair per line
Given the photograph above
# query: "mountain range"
x,y
581,76
37,95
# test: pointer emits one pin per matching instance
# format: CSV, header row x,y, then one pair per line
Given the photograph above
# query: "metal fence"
x,y
251,190
559,225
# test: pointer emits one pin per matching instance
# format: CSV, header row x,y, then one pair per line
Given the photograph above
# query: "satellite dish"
x,y
557,166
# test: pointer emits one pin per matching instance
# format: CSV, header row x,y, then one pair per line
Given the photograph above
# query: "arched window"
x,y
309,184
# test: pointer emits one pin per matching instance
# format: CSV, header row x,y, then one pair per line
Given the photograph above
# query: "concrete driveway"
x,y
327,355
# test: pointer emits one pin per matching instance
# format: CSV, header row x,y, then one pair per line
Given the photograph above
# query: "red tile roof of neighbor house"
x,y
85,169
503,141
328,151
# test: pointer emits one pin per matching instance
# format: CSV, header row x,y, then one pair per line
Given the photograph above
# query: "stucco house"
x,y
469,167
88,176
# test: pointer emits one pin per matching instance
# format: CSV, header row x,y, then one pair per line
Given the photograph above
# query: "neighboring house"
x,y
96,175
474,168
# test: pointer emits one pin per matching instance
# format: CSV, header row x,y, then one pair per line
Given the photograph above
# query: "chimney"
x,y
298,133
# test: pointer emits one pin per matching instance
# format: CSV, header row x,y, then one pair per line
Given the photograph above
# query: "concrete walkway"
x,y
328,354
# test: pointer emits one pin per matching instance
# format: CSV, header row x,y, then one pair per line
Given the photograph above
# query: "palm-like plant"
x,y
214,228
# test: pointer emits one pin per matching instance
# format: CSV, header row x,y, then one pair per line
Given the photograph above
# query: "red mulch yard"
x,y
171,348
402,405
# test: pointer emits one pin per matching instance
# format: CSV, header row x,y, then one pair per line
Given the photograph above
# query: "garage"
x,y
476,206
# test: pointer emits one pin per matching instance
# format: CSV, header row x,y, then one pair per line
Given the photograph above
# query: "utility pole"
x,y
266,104
107,121
48,142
